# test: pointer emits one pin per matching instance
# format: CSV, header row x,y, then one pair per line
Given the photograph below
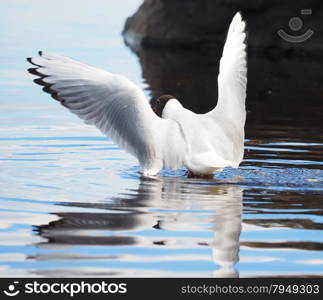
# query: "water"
x,y
73,204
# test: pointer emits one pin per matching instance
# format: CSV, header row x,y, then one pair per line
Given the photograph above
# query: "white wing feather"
x,y
230,112
232,79
113,104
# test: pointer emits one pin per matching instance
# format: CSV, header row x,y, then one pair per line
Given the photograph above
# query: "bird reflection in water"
x,y
160,203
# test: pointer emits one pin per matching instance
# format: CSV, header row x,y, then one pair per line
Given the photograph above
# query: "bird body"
x,y
208,146
203,143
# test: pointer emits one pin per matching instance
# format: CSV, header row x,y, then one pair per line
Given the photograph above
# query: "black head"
x,y
160,104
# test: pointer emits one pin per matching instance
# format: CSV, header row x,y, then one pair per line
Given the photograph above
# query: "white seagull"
x,y
169,135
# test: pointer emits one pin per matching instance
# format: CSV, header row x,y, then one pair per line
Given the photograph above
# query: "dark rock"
x,y
197,24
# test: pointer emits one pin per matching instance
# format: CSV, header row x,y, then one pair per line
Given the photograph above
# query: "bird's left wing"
x,y
230,111
232,79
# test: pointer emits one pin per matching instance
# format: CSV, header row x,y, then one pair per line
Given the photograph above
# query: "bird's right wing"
x,y
111,102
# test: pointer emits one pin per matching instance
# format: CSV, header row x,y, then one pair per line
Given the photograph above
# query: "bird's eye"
x,y
158,101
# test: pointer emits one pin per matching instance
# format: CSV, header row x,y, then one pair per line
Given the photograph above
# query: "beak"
x,y
155,109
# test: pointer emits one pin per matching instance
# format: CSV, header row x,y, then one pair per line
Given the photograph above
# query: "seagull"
x,y
168,135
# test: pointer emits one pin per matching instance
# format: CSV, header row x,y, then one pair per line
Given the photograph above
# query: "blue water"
x,y
72,203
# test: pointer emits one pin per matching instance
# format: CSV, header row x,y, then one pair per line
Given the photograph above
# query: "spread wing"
x,y
110,102
232,79
229,115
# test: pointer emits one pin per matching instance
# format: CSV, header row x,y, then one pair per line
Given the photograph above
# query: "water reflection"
x,y
165,204
227,229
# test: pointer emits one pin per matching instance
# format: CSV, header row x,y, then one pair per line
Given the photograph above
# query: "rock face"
x,y
201,24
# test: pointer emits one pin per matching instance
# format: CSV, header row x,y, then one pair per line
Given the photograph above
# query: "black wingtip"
x,y
30,59
40,81
63,102
47,89
34,71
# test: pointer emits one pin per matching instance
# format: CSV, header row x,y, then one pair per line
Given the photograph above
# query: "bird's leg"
x,y
190,174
